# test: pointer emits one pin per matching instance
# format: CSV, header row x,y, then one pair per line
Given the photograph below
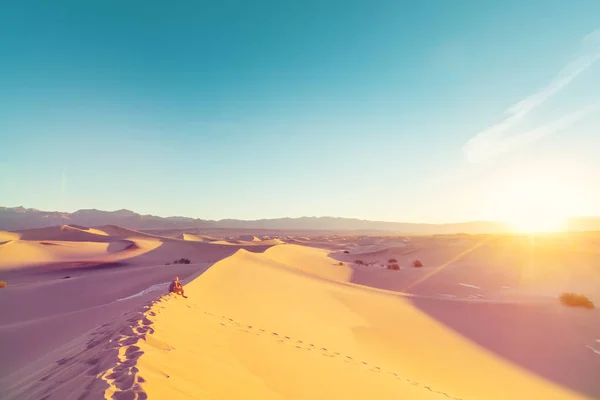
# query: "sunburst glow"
x,y
539,204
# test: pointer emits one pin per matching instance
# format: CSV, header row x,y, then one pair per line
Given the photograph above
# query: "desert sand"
x,y
86,315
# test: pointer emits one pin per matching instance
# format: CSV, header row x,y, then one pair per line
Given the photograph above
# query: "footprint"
x,y
132,349
63,361
93,371
128,341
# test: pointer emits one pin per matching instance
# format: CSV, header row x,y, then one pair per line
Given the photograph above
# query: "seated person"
x,y
176,287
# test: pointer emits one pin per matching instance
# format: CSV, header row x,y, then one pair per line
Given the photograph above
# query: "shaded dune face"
x,y
122,245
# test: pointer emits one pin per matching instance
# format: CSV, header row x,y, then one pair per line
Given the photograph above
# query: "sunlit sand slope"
x,y
310,260
256,326
197,238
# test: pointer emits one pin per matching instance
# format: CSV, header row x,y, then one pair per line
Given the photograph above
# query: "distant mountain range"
x,y
17,218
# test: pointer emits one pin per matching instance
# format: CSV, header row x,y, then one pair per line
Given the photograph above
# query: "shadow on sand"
x,y
549,340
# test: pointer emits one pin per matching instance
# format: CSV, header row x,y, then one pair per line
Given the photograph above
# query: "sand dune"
x,y
14,253
234,242
54,283
379,254
285,321
269,331
198,238
67,246
31,253
248,238
65,232
8,236
312,261
503,267
118,231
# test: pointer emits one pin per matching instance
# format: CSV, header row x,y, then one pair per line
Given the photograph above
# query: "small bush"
x,y
359,262
346,252
182,261
575,300
393,266
392,261
340,263
417,264
3,284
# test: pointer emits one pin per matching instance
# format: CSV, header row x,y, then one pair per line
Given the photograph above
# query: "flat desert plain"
x,y
85,314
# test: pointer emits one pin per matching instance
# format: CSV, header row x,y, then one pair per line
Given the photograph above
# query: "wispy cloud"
x,y
503,136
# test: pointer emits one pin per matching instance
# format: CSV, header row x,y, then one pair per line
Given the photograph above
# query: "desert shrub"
x,y
359,262
346,252
392,261
340,263
575,300
182,261
3,284
417,264
393,266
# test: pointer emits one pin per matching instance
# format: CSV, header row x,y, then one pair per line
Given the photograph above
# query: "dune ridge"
x,y
60,245
255,328
29,253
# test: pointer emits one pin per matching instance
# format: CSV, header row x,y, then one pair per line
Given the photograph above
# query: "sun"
x,y
537,223
536,205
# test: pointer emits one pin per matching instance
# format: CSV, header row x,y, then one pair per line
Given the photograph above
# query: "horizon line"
x,y
287,217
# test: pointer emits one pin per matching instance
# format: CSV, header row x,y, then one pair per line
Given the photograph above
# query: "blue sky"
x,y
425,111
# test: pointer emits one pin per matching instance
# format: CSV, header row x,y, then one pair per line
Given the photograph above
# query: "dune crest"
x,y
255,327
8,236
197,238
67,244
